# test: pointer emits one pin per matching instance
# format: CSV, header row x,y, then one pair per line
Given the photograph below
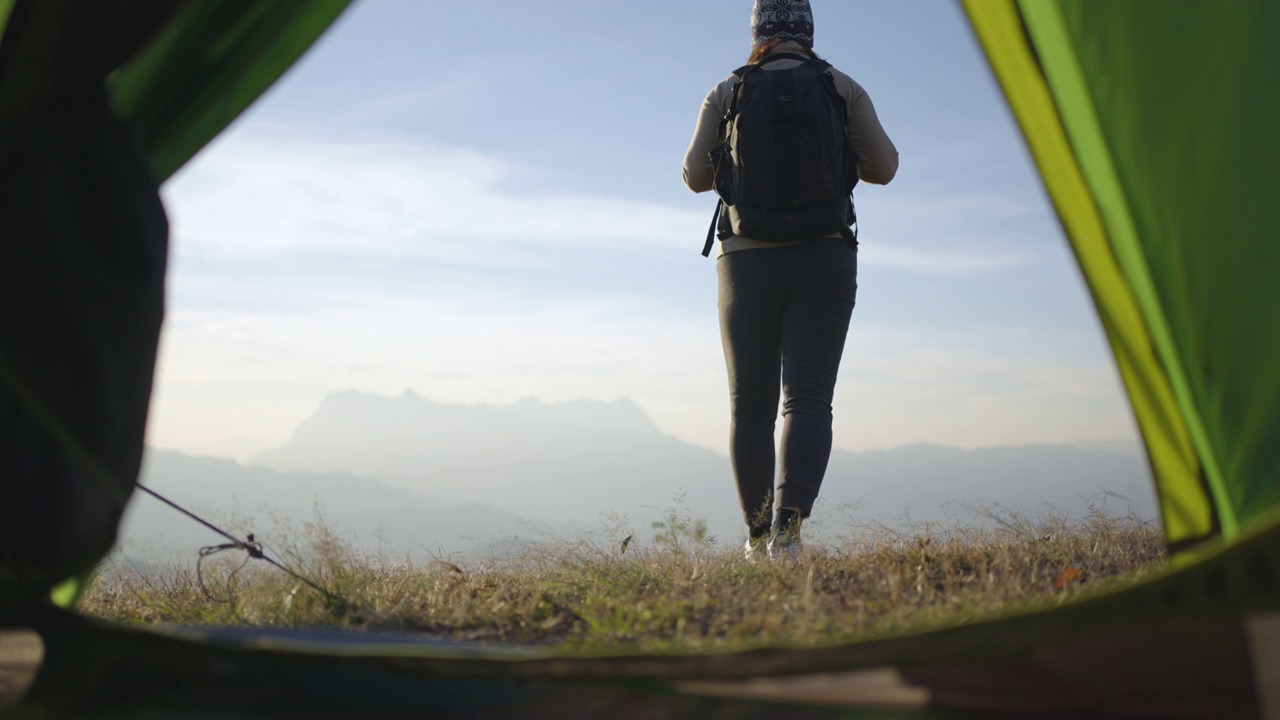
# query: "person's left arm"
x,y
698,174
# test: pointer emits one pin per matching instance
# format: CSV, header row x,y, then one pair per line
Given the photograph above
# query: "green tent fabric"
x,y
1154,130
207,65
1152,126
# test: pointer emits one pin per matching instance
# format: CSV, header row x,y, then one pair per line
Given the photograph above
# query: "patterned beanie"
x,y
784,19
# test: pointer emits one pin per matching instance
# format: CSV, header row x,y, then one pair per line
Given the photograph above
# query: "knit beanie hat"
x,y
785,19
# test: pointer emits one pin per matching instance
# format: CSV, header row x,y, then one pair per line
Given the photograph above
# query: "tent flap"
x,y
209,64
1152,129
83,240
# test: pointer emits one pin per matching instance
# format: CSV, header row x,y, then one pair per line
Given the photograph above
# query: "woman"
x,y
784,307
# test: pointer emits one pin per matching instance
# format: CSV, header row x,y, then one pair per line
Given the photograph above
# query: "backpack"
x,y
785,170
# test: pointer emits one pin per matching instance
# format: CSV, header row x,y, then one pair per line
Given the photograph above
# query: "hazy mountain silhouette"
x,y
568,463
564,463
255,499
940,484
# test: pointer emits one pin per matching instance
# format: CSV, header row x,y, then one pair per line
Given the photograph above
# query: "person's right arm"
x,y
877,156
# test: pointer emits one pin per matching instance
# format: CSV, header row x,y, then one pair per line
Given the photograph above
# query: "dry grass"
x,y
678,590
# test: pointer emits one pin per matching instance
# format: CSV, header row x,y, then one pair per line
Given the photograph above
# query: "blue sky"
x,y
481,201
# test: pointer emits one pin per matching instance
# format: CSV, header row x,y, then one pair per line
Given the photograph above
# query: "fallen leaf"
x,y
1065,578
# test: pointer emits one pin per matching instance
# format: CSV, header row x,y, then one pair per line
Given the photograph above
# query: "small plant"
x,y
679,531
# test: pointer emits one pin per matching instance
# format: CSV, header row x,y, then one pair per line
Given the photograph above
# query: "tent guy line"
x,y
251,546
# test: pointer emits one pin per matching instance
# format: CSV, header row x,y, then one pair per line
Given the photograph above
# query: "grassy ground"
x,y
677,590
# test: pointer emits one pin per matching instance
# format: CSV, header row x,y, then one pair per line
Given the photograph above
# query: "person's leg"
x,y
814,326
750,315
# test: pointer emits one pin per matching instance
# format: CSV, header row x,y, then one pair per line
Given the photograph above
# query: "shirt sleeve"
x,y
877,156
697,159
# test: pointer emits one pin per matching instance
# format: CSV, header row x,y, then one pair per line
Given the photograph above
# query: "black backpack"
x,y
785,170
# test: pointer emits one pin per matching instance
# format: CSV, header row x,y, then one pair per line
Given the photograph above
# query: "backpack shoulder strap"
x,y
741,74
828,82
711,232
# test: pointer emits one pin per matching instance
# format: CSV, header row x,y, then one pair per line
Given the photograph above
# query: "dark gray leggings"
x,y
784,312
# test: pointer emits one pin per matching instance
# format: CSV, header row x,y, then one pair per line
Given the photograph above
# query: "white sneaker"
x,y
755,550
786,546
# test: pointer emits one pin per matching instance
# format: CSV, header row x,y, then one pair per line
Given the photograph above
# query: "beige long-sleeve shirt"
x,y
877,156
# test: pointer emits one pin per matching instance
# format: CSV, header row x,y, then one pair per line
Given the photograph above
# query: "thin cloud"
x,y
271,190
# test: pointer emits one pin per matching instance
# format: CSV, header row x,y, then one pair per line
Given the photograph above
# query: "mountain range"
x,y
418,477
